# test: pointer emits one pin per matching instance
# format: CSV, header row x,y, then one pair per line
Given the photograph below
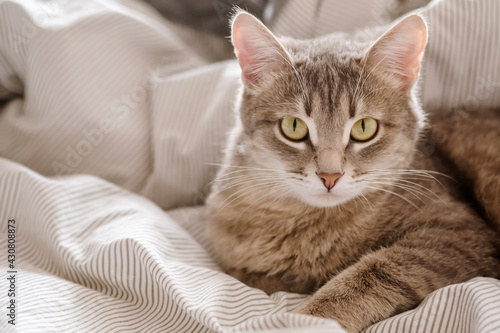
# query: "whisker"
x,y
244,181
419,173
246,174
266,172
230,180
414,171
265,195
239,183
243,167
270,184
279,197
396,194
406,188
366,200
412,184
224,178
361,201
263,188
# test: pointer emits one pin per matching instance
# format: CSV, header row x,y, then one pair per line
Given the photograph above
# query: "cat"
x,y
325,186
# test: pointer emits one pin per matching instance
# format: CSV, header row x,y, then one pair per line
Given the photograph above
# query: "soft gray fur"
x,y
393,228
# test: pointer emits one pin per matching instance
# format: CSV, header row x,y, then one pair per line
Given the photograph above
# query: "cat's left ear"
x,y
259,52
398,53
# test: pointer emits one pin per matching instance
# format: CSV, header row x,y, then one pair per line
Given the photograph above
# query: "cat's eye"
x,y
364,129
294,128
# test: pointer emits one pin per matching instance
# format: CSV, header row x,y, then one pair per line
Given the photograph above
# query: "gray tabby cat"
x,y
323,188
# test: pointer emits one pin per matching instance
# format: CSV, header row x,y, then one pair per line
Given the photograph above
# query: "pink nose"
x,y
329,179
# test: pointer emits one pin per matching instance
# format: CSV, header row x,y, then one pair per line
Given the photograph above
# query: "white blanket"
x,y
109,88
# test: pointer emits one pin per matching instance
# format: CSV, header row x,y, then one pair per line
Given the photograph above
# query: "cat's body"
x,y
273,247
387,230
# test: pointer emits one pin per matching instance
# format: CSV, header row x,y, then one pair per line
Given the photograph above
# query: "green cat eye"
x,y
294,128
364,129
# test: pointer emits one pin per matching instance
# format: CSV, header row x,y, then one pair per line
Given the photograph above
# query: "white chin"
x,y
325,199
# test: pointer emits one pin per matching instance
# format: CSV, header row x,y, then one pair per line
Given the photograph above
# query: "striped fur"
x,y
406,231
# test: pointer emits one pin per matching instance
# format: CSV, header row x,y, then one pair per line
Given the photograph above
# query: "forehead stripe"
x,y
307,107
352,110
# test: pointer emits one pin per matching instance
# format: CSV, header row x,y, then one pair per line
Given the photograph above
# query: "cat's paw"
x,y
311,309
317,308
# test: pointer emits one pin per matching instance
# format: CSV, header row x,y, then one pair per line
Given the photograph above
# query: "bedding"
x,y
112,121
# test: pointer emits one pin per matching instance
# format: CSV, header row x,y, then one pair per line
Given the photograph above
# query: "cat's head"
x,y
329,116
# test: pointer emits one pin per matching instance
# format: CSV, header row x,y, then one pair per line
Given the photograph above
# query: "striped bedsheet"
x,y
111,120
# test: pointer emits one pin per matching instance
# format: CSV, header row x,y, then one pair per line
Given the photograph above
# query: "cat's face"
x,y
330,121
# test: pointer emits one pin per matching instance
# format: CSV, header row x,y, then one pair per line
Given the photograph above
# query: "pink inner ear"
x,y
259,52
248,75
399,51
247,63
413,59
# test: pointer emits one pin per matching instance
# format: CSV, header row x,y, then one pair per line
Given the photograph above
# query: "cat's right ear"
x,y
259,52
399,51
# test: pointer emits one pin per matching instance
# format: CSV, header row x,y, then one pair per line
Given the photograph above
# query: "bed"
x,y
112,122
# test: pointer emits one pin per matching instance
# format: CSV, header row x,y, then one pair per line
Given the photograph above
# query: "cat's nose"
x,y
329,179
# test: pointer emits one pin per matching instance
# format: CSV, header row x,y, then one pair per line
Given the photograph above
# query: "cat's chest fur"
x,y
298,245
